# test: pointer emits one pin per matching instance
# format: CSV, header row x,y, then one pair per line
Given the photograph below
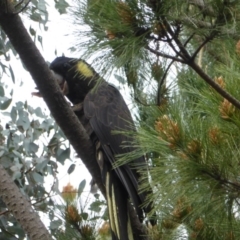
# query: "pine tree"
x,y
181,59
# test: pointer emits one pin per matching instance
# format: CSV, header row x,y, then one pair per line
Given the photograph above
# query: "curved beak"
x,y
61,81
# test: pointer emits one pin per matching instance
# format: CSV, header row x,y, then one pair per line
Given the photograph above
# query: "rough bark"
x,y
21,208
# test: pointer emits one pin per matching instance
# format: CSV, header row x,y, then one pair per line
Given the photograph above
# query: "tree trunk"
x,y
21,208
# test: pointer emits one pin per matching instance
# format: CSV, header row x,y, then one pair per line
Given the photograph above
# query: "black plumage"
x,y
102,110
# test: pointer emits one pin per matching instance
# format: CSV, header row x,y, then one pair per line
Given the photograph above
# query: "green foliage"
x,y
61,6
115,38
191,137
28,159
192,146
36,11
80,217
132,36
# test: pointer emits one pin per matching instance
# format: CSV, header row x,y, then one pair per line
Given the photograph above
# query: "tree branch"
x,y
160,83
214,85
185,55
188,40
22,9
207,39
21,208
190,62
164,55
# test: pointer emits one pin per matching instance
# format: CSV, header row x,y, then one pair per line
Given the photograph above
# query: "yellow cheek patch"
x,y
84,69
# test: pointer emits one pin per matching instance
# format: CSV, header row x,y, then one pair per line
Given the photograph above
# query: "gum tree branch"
x,y
21,208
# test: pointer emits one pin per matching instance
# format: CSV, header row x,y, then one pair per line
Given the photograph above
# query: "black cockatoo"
x,y
102,110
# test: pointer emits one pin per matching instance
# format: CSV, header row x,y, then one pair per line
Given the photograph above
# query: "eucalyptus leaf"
x,y
37,177
62,155
55,224
41,165
71,168
84,215
32,31
61,6
17,153
1,153
81,187
33,147
120,79
51,215
96,206
41,5
38,112
40,40
36,17
23,120
6,104
46,124
3,221
13,114
11,73
16,175
2,93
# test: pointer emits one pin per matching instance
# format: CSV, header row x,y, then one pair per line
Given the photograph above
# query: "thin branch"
x,y
208,39
166,71
188,40
22,9
7,232
161,83
200,72
178,53
222,181
181,47
164,55
140,102
190,61
18,4
4,212
196,23
214,85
